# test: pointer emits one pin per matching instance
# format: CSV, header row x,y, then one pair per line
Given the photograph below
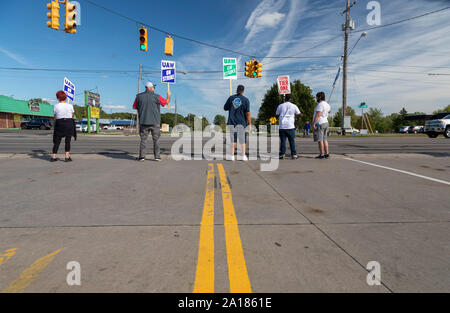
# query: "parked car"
x,y
415,129
403,130
83,127
112,127
39,123
438,126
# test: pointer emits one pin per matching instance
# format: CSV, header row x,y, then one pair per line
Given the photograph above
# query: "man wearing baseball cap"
x,y
148,105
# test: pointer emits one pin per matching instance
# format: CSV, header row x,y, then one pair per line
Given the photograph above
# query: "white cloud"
x,y
14,56
269,20
115,107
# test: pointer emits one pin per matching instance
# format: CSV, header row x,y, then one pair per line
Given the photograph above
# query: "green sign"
x,y
229,68
363,105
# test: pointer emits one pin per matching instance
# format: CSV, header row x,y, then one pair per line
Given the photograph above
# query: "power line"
x,y
195,40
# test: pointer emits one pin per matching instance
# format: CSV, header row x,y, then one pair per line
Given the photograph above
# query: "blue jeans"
x,y
290,134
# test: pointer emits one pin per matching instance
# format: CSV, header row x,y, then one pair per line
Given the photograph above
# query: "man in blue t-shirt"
x,y
238,108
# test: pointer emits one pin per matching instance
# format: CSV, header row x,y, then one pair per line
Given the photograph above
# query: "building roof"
x,y
10,105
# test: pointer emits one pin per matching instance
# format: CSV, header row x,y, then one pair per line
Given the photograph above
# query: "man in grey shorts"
x,y
320,122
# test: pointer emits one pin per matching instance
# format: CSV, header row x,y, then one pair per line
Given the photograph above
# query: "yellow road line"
x,y
204,278
237,270
30,274
8,254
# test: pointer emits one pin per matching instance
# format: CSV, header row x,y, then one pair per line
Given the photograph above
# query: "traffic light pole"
x,y
139,91
344,75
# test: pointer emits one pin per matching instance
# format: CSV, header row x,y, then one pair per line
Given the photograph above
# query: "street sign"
x,y
95,112
284,85
168,72
69,89
363,105
229,68
93,99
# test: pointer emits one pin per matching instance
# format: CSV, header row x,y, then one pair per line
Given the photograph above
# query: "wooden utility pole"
x,y
344,75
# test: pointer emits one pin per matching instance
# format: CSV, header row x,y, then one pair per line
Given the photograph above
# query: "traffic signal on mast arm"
x,y
257,69
53,14
143,43
249,68
70,24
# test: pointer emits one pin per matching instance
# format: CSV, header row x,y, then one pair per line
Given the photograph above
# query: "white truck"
x,y
438,126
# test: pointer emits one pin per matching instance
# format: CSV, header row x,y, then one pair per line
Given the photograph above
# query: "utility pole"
x,y
346,29
139,91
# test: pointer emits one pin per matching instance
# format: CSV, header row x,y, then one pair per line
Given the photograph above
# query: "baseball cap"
x,y
149,84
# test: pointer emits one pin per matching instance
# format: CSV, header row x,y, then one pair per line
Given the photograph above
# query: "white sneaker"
x,y
230,158
244,158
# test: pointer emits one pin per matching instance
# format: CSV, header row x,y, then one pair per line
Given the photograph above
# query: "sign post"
x,y
284,85
168,74
230,70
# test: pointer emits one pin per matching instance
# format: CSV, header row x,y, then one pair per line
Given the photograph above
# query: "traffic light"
x,y
143,39
248,68
70,24
53,14
257,69
168,47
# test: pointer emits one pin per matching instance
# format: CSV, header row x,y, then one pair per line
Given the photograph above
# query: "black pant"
x,y
57,141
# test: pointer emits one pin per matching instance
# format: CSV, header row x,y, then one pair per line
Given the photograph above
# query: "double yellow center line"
x,y
237,269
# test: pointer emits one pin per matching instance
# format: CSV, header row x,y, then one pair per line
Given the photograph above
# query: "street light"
x,y
363,34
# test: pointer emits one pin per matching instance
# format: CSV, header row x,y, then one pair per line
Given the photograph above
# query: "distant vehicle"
x,y
403,129
112,127
39,123
83,127
415,129
434,128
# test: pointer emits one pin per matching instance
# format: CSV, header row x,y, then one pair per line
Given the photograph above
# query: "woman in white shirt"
x,y
64,125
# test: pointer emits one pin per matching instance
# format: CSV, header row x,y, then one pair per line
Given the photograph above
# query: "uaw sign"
x,y
168,72
284,85
229,68
69,89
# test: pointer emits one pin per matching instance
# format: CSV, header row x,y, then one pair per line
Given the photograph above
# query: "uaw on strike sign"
x,y
168,72
284,85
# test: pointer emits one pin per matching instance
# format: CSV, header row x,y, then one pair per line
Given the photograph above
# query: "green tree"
x,y
444,110
349,111
220,121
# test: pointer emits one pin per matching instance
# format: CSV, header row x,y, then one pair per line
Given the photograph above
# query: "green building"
x,y
13,112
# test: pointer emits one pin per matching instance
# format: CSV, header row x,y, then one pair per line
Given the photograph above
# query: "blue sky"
x,y
257,27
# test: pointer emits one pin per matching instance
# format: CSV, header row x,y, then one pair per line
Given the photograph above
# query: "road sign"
x,y
229,68
363,105
284,85
95,112
168,72
69,89
93,99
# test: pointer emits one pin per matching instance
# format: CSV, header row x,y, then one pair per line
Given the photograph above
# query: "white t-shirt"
x,y
287,112
325,109
63,110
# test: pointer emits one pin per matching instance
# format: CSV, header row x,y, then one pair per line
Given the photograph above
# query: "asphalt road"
x,y
35,141
310,226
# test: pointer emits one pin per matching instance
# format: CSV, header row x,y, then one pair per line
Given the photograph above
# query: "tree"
x,y
221,121
444,110
337,117
301,96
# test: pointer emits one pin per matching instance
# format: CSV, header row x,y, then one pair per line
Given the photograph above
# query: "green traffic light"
x,y
142,47
254,74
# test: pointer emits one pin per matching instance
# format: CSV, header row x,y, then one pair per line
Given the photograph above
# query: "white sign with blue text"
x,y
69,89
168,72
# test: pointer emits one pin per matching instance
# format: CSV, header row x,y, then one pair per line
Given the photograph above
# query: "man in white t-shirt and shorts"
x,y
320,123
287,112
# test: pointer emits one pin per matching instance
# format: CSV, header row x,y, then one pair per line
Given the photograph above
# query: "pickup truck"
x,y
438,126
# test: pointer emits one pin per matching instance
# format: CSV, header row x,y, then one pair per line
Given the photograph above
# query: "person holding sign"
x,y
287,112
148,106
64,125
